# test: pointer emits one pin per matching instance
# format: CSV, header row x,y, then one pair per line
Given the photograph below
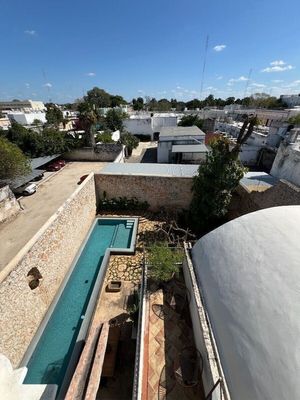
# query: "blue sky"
x,y
59,49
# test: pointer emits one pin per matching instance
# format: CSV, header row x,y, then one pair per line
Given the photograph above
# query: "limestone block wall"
x,y
172,193
282,194
8,204
287,163
51,251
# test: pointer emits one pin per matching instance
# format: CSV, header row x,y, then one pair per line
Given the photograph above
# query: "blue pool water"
x,y
51,356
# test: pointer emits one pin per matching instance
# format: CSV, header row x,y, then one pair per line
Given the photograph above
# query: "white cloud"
x,y
278,62
49,85
141,91
90,74
30,32
278,66
27,85
240,79
292,84
219,77
277,80
258,85
220,47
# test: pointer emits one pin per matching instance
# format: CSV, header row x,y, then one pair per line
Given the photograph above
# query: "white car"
x,y
26,190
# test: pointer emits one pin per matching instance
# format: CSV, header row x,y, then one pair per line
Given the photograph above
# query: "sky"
x,y
59,49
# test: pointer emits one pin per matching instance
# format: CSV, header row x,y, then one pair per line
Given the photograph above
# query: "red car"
x,y
54,167
82,179
60,162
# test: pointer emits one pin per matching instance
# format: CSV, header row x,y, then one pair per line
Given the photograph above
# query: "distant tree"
x,y
116,101
193,104
180,106
13,162
173,103
54,115
191,120
98,97
230,100
152,104
114,119
138,104
163,105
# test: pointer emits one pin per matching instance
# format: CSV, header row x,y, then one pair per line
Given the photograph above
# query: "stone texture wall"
x,y
104,152
282,194
159,191
8,204
52,251
287,163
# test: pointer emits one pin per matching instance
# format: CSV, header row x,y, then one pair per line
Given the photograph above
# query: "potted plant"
x,y
163,262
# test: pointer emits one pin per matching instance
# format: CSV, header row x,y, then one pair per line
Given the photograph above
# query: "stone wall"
x,y
51,251
281,194
8,204
107,152
172,193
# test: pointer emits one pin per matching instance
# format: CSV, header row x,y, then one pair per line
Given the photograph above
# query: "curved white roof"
x,y
249,273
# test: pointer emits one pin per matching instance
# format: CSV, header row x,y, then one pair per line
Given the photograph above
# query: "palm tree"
x,y
88,117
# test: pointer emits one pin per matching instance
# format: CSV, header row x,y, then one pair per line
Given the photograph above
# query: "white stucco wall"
x,y
287,163
138,126
27,118
248,271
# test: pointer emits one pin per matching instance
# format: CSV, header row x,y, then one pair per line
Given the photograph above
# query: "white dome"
x,y
249,273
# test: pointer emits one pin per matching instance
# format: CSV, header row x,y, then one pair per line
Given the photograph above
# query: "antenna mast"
x,y
204,66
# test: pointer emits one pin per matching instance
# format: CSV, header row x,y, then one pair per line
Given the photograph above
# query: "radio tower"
x,y
204,66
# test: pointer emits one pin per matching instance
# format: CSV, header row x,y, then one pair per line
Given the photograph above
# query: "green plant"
x,y
104,137
163,261
122,203
13,162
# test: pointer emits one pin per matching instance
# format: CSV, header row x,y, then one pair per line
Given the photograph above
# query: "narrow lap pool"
x,y
49,360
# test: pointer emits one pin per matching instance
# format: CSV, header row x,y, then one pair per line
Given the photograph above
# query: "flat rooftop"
x,y
167,170
189,148
258,181
181,131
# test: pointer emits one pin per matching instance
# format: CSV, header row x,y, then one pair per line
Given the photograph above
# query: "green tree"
x,y
114,119
36,122
163,105
138,104
116,101
54,115
104,137
163,261
191,120
217,178
13,162
99,97
295,120
130,141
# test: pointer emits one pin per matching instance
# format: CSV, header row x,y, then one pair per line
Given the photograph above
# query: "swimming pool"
x,y
49,357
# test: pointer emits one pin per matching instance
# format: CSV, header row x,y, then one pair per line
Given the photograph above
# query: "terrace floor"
x,y
169,332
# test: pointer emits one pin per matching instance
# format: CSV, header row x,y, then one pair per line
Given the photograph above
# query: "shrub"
x,y
122,203
163,261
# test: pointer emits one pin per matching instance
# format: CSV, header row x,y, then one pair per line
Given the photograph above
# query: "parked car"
x,y
60,162
54,167
26,190
82,178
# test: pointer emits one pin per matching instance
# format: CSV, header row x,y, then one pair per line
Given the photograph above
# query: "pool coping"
x,y
91,305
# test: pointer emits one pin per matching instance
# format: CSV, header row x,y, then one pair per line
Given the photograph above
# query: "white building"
x,y
27,118
184,140
292,100
22,105
145,124
287,161
251,149
249,276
